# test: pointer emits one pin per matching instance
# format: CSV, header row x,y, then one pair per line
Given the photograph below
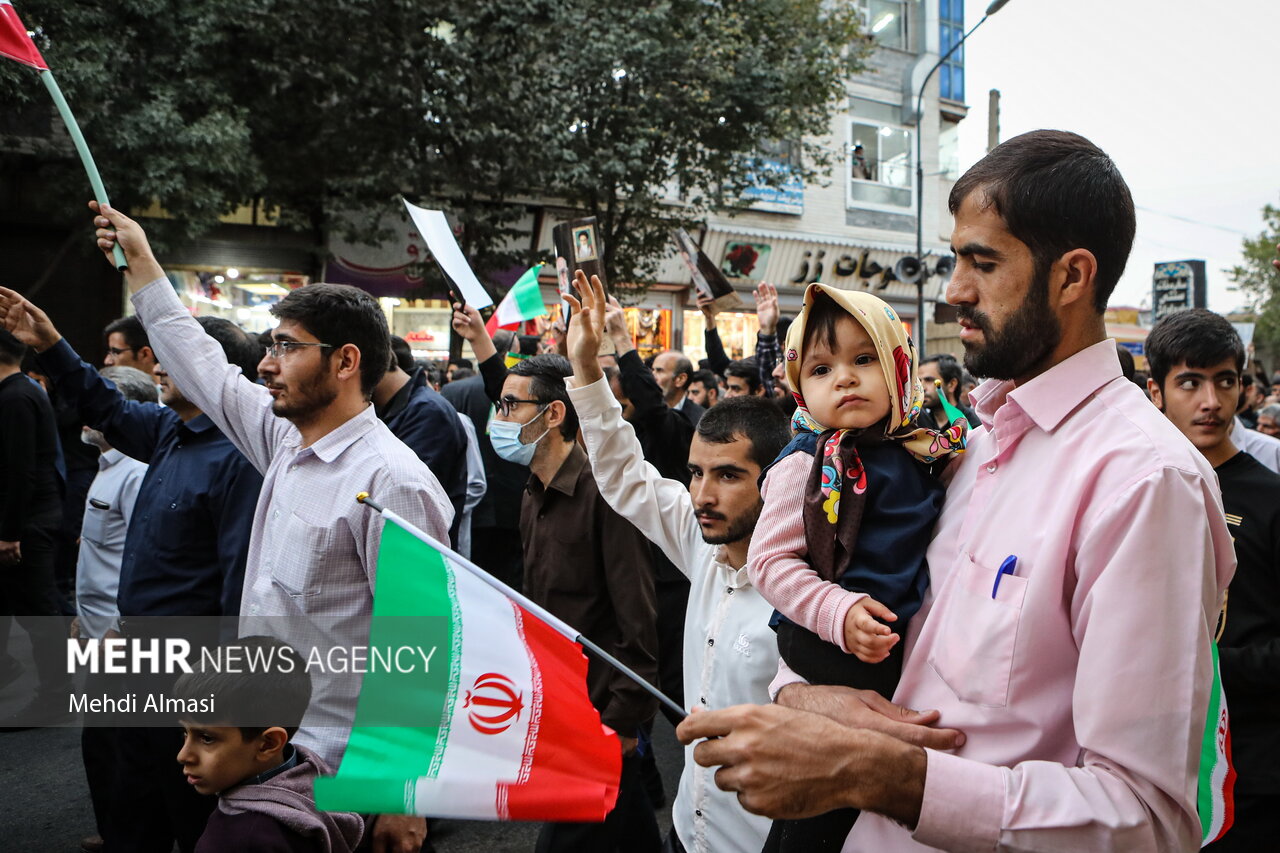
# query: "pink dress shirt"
x,y
1082,682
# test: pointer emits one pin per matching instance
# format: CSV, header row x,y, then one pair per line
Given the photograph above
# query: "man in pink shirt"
x,y
1077,570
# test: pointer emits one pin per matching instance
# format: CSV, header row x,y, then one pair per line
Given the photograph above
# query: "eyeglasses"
x,y
119,350
507,403
279,349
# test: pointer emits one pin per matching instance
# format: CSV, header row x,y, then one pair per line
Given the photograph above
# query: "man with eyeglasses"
x,y
128,346
589,566
184,551
316,438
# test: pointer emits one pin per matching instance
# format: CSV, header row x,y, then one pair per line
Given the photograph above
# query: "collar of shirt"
x,y
1050,397
735,578
331,445
679,403
109,458
566,479
201,423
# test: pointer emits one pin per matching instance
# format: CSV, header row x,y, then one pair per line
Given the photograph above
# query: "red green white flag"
x,y
522,302
1216,790
14,41
500,726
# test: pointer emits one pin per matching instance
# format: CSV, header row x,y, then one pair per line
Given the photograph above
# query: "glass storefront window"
x,y
242,296
737,334
424,324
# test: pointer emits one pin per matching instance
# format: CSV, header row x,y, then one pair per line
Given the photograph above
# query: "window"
x,y
951,74
886,22
881,157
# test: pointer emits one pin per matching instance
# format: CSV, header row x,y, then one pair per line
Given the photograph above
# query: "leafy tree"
x,y
1259,280
487,109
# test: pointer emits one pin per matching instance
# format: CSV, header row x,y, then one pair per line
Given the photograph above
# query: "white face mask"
x,y
505,438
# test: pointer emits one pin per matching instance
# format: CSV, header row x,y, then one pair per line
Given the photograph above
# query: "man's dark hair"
x,y
338,314
11,349
745,369
948,368
241,349
402,354
706,377
1057,191
269,687
529,344
1127,365
682,365
462,362
758,420
547,374
1197,338
462,373
135,336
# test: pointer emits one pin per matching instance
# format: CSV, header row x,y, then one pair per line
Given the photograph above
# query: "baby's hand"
x,y
870,640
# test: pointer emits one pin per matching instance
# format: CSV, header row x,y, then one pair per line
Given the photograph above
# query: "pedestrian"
x,y
587,565
313,433
706,528
1197,363
1056,621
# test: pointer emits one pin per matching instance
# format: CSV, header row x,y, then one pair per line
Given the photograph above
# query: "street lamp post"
x,y
996,6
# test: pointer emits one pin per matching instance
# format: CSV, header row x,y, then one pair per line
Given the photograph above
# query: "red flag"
x,y
14,41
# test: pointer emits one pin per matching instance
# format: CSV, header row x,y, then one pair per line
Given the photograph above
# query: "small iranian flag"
x,y
498,727
1216,797
522,302
14,41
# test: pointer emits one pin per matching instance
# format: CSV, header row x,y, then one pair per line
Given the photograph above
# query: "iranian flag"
x,y
499,726
14,41
522,302
1216,794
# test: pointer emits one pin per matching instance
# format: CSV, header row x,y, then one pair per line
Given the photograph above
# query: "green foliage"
x,y
1259,280
487,109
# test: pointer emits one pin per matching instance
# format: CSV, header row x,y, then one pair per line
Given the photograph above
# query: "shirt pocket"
x,y
975,644
296,567
94,527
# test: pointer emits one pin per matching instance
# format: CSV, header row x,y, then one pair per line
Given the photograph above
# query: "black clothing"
x,y
30,486
1249,649
664,433
156,806
1256,827
428,425
630,827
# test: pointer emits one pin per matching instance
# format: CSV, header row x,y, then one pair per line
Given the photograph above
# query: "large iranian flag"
x,y
522,302
499,726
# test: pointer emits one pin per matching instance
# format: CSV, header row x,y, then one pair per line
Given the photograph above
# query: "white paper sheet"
x,y
444,248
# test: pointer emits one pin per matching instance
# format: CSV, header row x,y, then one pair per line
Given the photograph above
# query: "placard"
x,y
444,248
709,281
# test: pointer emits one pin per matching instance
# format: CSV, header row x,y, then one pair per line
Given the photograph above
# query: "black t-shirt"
x,y
30,490
1249,649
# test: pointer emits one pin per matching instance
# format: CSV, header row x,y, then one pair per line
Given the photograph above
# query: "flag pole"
x,y
82,148
542,613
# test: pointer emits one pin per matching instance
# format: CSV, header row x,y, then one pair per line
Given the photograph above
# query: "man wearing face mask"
x,y
590,567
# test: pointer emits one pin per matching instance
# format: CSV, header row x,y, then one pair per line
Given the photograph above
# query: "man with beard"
x,y
1197,360
315,437
1077,571
944,369
730,653
183,553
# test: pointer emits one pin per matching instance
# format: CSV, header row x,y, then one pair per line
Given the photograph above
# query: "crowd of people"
x,y
803,547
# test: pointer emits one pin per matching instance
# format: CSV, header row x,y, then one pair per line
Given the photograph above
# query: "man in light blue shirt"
x,y
107,512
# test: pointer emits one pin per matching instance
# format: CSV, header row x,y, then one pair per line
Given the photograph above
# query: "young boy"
x,y
263,782
848,509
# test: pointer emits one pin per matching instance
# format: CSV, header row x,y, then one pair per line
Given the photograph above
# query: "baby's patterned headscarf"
x,y
838,475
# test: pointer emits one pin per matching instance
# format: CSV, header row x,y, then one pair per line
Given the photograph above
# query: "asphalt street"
x,y
45,807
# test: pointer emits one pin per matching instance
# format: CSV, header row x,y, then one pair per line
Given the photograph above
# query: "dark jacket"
x,y
428,423
500,506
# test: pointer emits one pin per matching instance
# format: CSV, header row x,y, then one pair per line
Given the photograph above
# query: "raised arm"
x,y
767,338
241,408
659,508
131,427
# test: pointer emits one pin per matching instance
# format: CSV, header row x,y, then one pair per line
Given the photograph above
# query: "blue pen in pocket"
x,y
1006,568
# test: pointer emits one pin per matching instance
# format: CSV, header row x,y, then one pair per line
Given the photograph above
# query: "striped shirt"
x,y
313,551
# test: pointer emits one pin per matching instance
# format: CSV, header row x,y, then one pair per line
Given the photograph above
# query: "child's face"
x,y
844,389
215,758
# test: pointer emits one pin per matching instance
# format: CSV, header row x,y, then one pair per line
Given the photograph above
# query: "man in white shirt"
x,y
730,653
314,435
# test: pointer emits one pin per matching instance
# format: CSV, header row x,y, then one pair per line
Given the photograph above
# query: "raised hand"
x,y
469,325
767,307
22,319
586,328
113,228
